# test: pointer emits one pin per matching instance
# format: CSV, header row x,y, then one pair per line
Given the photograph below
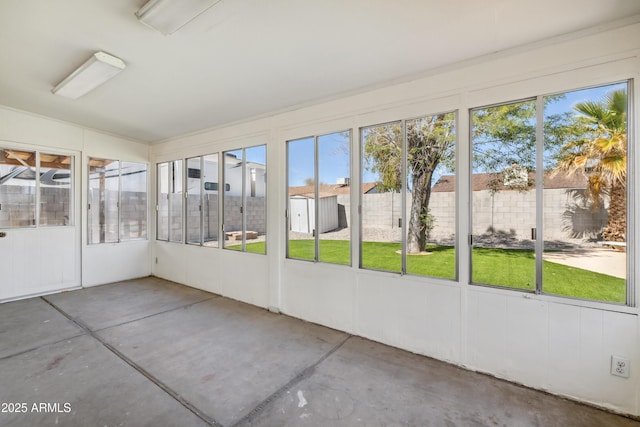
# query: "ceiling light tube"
x,y
95,71
168,16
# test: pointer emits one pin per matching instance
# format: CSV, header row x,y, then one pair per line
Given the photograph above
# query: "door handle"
x,y
3,234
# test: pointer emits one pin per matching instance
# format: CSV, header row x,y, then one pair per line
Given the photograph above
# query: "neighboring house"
x,y
255,177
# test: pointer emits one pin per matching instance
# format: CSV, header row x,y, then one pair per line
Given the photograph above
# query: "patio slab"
x,y
601,260
223,356
108,305
31,323
370,384
81,383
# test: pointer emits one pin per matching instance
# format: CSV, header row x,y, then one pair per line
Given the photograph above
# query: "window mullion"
x,y
202,174
243,204
403,196
316,198
119,201
36,219
539,235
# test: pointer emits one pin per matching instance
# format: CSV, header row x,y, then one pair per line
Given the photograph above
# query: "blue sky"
x,y
333,159
334,148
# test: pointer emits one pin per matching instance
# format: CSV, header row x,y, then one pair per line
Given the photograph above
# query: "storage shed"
x,y
303,213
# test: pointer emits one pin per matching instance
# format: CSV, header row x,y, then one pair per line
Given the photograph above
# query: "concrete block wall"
x,y
512,212
210,220
567,215
255,214
17,206
55,207
381,210
133,216
255,209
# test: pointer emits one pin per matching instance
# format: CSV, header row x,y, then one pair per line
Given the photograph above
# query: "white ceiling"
x,y
245,58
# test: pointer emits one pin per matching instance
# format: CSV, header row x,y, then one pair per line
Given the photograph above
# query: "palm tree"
x,y
601,155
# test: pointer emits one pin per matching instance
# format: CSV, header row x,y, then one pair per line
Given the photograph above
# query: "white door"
x,y
39,221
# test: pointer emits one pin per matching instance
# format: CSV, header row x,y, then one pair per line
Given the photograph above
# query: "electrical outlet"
x,y
620,366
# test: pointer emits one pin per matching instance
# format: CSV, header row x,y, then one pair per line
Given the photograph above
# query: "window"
x,y
104,187
117,201
55,189
169,208
549,209
319,188
202,200
162,197
21,192
245,196
408,196
133,201
381,197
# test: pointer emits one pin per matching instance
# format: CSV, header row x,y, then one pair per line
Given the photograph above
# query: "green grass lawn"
x,y
501,267
256,248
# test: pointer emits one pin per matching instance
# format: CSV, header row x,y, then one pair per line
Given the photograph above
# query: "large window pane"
x,y
319,198
233,191
381,198
301,193
333,198
256,198
211,195
244,222
193,219
133,201
103,200
585,210
175,201
503,195
55,189
162,215
17,188
431,196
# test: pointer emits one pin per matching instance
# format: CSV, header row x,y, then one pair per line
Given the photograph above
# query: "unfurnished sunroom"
x,y
458,181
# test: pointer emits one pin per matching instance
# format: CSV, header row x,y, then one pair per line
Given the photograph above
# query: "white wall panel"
x,y
527,340
32,129
169,262
237,275
319,293
112,262
203,268
566,371
245,276
487,331
38,261
408,313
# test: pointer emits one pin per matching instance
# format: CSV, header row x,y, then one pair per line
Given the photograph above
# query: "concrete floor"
x,y
153,353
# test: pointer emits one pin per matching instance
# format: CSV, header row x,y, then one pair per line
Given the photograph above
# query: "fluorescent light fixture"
x,y
95,71
168,16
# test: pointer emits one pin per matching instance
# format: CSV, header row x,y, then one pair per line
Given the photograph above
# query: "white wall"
x,y
50,259
551,343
